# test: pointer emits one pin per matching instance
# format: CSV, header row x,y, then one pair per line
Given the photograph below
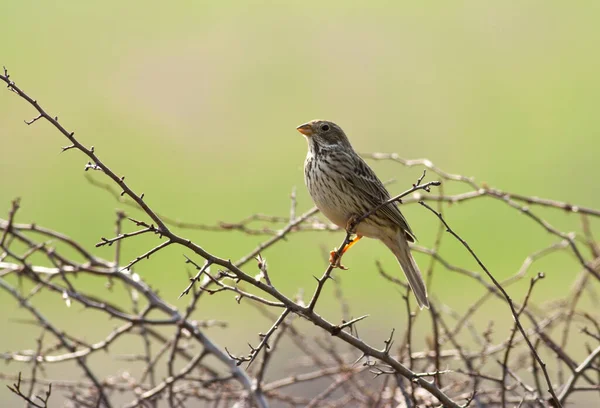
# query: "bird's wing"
x,y
366,183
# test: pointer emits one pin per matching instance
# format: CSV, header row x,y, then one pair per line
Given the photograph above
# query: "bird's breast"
x,y
328,186
330,190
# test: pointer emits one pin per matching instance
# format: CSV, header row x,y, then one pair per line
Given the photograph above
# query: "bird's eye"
x,y
324,128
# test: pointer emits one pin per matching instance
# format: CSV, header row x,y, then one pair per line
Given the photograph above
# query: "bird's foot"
x,y
335,260
351,224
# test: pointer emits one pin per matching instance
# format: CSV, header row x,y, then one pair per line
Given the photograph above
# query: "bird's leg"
x,y
335,260
351,243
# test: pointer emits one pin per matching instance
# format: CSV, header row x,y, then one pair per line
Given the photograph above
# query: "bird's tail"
x,y
400,248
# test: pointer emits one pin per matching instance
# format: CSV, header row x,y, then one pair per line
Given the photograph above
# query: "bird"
x,y
344,188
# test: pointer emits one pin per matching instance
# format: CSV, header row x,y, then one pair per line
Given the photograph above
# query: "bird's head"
x,y
322,134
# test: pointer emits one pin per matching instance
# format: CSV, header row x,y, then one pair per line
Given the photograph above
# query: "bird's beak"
x,y
305,129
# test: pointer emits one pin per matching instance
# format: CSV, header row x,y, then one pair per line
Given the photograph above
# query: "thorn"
x,y
363,355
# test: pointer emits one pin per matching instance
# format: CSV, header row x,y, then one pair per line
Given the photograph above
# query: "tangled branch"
x,y
180,353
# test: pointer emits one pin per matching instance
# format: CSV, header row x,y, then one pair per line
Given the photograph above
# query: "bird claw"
x,y
335,260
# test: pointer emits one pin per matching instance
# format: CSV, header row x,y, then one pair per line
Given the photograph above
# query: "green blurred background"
x,y
196,103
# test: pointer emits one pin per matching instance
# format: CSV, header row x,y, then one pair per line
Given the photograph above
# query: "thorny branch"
x,y
188,353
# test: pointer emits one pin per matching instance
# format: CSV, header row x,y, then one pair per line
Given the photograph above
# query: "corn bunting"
x,y
344,188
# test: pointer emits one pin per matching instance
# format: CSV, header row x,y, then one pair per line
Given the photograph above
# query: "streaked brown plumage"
x,y
343,187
